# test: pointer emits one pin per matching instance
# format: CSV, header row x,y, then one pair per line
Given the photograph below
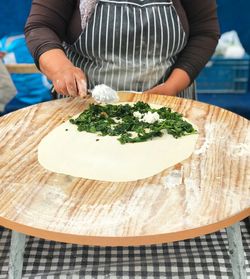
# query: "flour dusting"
x,y
209,139
240,149
173,179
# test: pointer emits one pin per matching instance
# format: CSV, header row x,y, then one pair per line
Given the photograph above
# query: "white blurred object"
x,y
9,58
229,46
7,88
104,94
234,52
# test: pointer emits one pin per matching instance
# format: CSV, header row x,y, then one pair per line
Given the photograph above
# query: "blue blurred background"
x,y
13,14
232,16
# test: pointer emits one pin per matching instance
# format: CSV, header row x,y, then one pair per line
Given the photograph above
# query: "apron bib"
x,y
129,45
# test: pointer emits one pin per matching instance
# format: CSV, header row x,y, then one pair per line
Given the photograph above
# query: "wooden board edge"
x,y
124,241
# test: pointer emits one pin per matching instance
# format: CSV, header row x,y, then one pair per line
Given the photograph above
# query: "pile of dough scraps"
x,y
132,123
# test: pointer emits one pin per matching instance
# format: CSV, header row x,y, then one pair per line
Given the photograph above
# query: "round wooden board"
x,y
212,188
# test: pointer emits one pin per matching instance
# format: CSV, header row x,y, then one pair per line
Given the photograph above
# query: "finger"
x,y
158,90
82,87
71,85
60,87
81,82
151,91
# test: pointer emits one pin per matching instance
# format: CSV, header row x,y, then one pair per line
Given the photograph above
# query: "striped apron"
x,y
130,45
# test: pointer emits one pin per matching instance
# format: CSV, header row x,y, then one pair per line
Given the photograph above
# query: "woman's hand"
x,y
67,79
177,82
163,89
70,81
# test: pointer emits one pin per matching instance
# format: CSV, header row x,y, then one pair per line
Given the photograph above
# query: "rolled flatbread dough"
x,y
68,151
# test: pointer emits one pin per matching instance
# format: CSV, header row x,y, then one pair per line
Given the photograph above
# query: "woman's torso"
x,y
75,29
129,45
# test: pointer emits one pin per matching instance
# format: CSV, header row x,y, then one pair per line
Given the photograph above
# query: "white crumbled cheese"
x,y
104,94
149,117
137,114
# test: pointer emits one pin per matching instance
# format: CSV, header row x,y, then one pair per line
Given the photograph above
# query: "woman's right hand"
x,y
67,79
70,81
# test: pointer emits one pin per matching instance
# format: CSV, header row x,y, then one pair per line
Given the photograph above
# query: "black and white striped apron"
x,y
130,45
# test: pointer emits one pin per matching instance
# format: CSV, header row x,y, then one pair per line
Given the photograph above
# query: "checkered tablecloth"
x,y
202,257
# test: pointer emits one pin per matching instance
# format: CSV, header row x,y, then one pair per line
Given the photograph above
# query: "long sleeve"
x,y
203,36
47,25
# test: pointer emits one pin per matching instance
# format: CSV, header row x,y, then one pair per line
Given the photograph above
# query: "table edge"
x,y
124,241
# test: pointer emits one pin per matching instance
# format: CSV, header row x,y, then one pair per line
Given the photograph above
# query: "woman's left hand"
x,y
177,82
162,89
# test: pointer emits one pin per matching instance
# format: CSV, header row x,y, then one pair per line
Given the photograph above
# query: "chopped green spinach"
x,y
119,120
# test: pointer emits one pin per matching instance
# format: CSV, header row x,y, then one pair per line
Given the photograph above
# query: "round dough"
x,y
81,154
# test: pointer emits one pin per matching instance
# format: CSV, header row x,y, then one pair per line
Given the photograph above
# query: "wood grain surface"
x,y
22,68
208,191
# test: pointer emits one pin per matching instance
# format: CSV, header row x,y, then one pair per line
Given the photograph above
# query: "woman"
x,y
152,46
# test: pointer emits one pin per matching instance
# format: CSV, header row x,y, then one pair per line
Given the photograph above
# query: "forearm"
x,y
203,36
47,25
177,82
45,30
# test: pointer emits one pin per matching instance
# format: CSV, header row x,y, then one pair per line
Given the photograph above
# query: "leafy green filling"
x,y
119,120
